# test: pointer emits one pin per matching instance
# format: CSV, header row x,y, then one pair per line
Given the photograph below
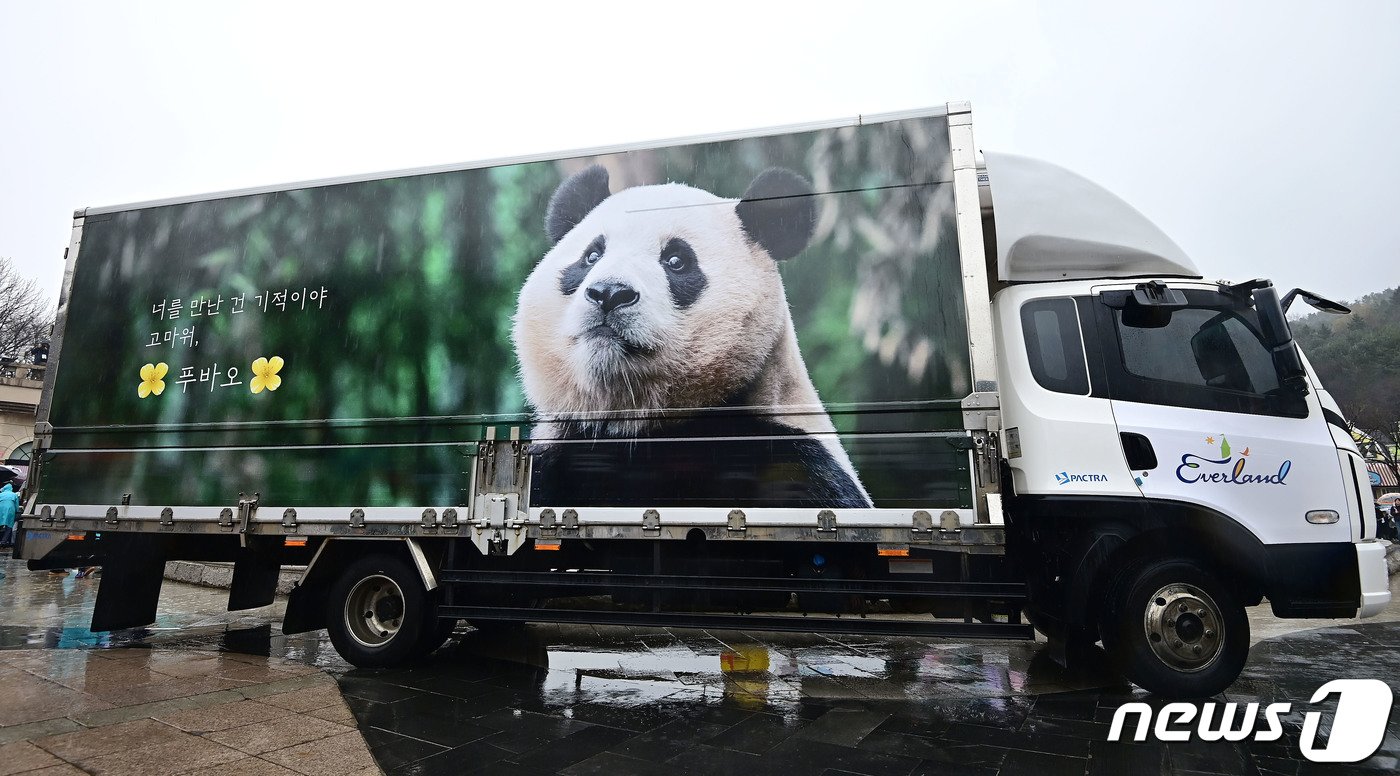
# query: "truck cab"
x,y
1169,456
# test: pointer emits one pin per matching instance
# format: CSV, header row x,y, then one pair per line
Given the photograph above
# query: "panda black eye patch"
x,y
683,273
572,276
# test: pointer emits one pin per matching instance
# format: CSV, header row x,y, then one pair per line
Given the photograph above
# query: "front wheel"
x,y
1178,631
378,614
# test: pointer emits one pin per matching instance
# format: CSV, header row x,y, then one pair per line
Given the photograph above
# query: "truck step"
x,y
850,624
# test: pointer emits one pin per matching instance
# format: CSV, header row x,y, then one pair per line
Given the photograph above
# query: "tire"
x,y
1176,630
378,615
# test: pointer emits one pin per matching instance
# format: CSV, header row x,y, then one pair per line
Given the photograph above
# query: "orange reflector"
x,y
295,542
542,545
892,552
76,537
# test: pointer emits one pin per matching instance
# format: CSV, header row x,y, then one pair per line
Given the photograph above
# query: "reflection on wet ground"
x,y
613,700
579,699
40,609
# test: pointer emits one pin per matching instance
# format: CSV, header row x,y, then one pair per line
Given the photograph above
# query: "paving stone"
x,y
573,748
58,770
1041,764
208,719
277,733
947,753
306,699
112,738
248,766
331,756
668,740
757,734
339,714
843,727
144,710
1111,758
32,730
393,751
611,764
801,755
24,756
173,757
31,699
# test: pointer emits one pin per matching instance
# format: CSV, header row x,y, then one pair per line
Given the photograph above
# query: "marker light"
x,y
544,545
1323,516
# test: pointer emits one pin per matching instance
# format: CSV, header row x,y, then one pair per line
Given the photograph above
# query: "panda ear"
x,y
574,199
779,212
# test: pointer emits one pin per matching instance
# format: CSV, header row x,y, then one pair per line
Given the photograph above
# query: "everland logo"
x,y
1228,469
1363,708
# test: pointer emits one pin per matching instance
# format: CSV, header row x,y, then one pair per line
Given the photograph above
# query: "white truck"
x,y
853,367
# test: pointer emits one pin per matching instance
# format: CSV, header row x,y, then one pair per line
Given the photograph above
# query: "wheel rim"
x,y
374,610
1183,627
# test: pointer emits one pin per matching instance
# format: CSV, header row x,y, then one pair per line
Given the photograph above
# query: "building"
x,y
20,387
1383,479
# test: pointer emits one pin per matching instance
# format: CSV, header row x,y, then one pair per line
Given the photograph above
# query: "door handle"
x,y
1138,451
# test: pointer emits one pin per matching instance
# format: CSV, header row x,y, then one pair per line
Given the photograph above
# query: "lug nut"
x,y
1210,634
1200,612
1196,649
1177,644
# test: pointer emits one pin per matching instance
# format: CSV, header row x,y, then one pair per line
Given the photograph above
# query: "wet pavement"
x,y
582,700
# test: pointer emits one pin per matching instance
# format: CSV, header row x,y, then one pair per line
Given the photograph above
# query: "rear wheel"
x,y
1177,630
378,614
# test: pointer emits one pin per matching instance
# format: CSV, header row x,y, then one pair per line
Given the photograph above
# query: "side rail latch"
x,y
247,510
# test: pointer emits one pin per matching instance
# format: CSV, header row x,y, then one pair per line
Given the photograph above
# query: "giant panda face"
x,y
656,297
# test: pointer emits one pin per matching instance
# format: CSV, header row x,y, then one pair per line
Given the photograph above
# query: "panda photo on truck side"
x,y
658,352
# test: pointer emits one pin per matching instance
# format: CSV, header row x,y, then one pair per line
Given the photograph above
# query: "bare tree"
x,y
26,316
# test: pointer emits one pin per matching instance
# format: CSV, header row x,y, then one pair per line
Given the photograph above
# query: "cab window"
x,y
1208,355
1053,345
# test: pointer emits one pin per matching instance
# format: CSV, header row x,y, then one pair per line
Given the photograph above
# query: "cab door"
x,y
1204,418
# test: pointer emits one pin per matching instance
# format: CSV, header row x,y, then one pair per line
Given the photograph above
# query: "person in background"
x,y
9,507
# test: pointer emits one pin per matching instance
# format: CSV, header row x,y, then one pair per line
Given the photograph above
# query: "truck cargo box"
x,y
771,320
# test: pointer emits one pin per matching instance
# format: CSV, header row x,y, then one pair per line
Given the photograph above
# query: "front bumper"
x,y
1374,577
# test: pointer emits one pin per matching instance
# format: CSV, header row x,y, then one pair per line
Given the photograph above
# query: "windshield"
x,y
1211,353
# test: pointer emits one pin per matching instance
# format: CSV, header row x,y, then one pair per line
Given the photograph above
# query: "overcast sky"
x,y
1264,138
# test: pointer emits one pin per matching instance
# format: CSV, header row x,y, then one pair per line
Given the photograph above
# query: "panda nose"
x,y
611,296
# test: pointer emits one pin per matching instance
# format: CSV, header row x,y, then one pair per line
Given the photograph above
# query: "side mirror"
x,y
1315,301
1279,339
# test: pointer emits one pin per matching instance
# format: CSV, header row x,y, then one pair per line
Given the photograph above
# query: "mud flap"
x,y
255,574
132,571
306,609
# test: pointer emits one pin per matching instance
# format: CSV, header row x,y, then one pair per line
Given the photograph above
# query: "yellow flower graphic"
x,y
265,374
152,379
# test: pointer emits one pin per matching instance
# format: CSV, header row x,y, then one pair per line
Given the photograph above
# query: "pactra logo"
x,y
1363,708
1228,469
1065,478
